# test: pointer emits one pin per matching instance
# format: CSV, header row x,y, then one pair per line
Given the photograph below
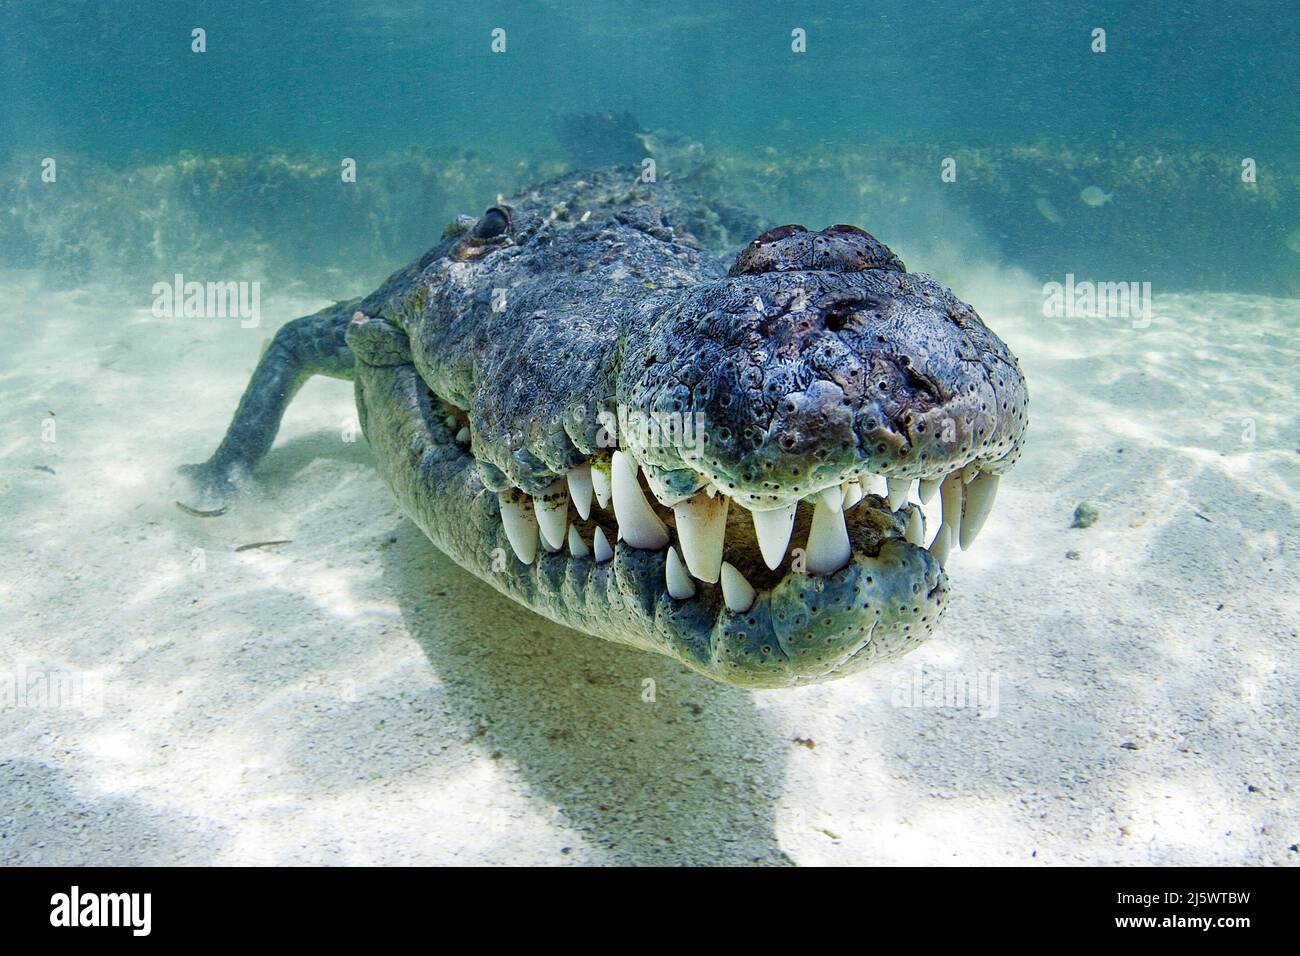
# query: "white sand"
x,y
353,697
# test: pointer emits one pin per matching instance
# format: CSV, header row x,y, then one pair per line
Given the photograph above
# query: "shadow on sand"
x,y
690,777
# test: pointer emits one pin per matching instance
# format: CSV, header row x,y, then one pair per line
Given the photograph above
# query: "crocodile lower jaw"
x,y
819,614
711,539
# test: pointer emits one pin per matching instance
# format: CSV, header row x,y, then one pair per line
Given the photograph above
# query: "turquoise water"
x,y
308,680
857,126
120,79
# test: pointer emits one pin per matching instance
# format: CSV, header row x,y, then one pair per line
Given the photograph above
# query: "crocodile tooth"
x,y
737,593
552,510
600,483
701,529
772,528
520,524
828,547
580,489
601,546
638,525
941,544
462,436
927,489
680,585
577,547
950,496
876,485
852,493
979,502
833,498
898,489
916,528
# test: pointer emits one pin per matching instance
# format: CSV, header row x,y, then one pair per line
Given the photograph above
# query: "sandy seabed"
x,y
351,696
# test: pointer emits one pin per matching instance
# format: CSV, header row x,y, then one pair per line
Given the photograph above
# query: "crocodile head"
x,y
721,468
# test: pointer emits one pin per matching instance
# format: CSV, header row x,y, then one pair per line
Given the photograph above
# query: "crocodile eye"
x,y
495,222
493,231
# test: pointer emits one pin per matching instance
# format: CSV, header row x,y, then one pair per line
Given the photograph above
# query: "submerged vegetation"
x,y
1178,216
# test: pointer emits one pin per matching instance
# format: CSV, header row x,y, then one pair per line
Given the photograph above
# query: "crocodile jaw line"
x,y
830,584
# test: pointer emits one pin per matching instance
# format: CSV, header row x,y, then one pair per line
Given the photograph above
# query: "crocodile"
x,y
581,401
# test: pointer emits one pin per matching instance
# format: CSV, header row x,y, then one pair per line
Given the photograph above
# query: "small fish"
x,y
1047,210
262,544
1093,196
45,468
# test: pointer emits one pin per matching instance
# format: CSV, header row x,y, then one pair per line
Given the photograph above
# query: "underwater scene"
x,y
558,433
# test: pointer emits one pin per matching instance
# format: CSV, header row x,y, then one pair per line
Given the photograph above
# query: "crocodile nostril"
x,y
851,311
838,318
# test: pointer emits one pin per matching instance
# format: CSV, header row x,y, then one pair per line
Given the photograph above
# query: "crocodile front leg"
x,y
314,345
